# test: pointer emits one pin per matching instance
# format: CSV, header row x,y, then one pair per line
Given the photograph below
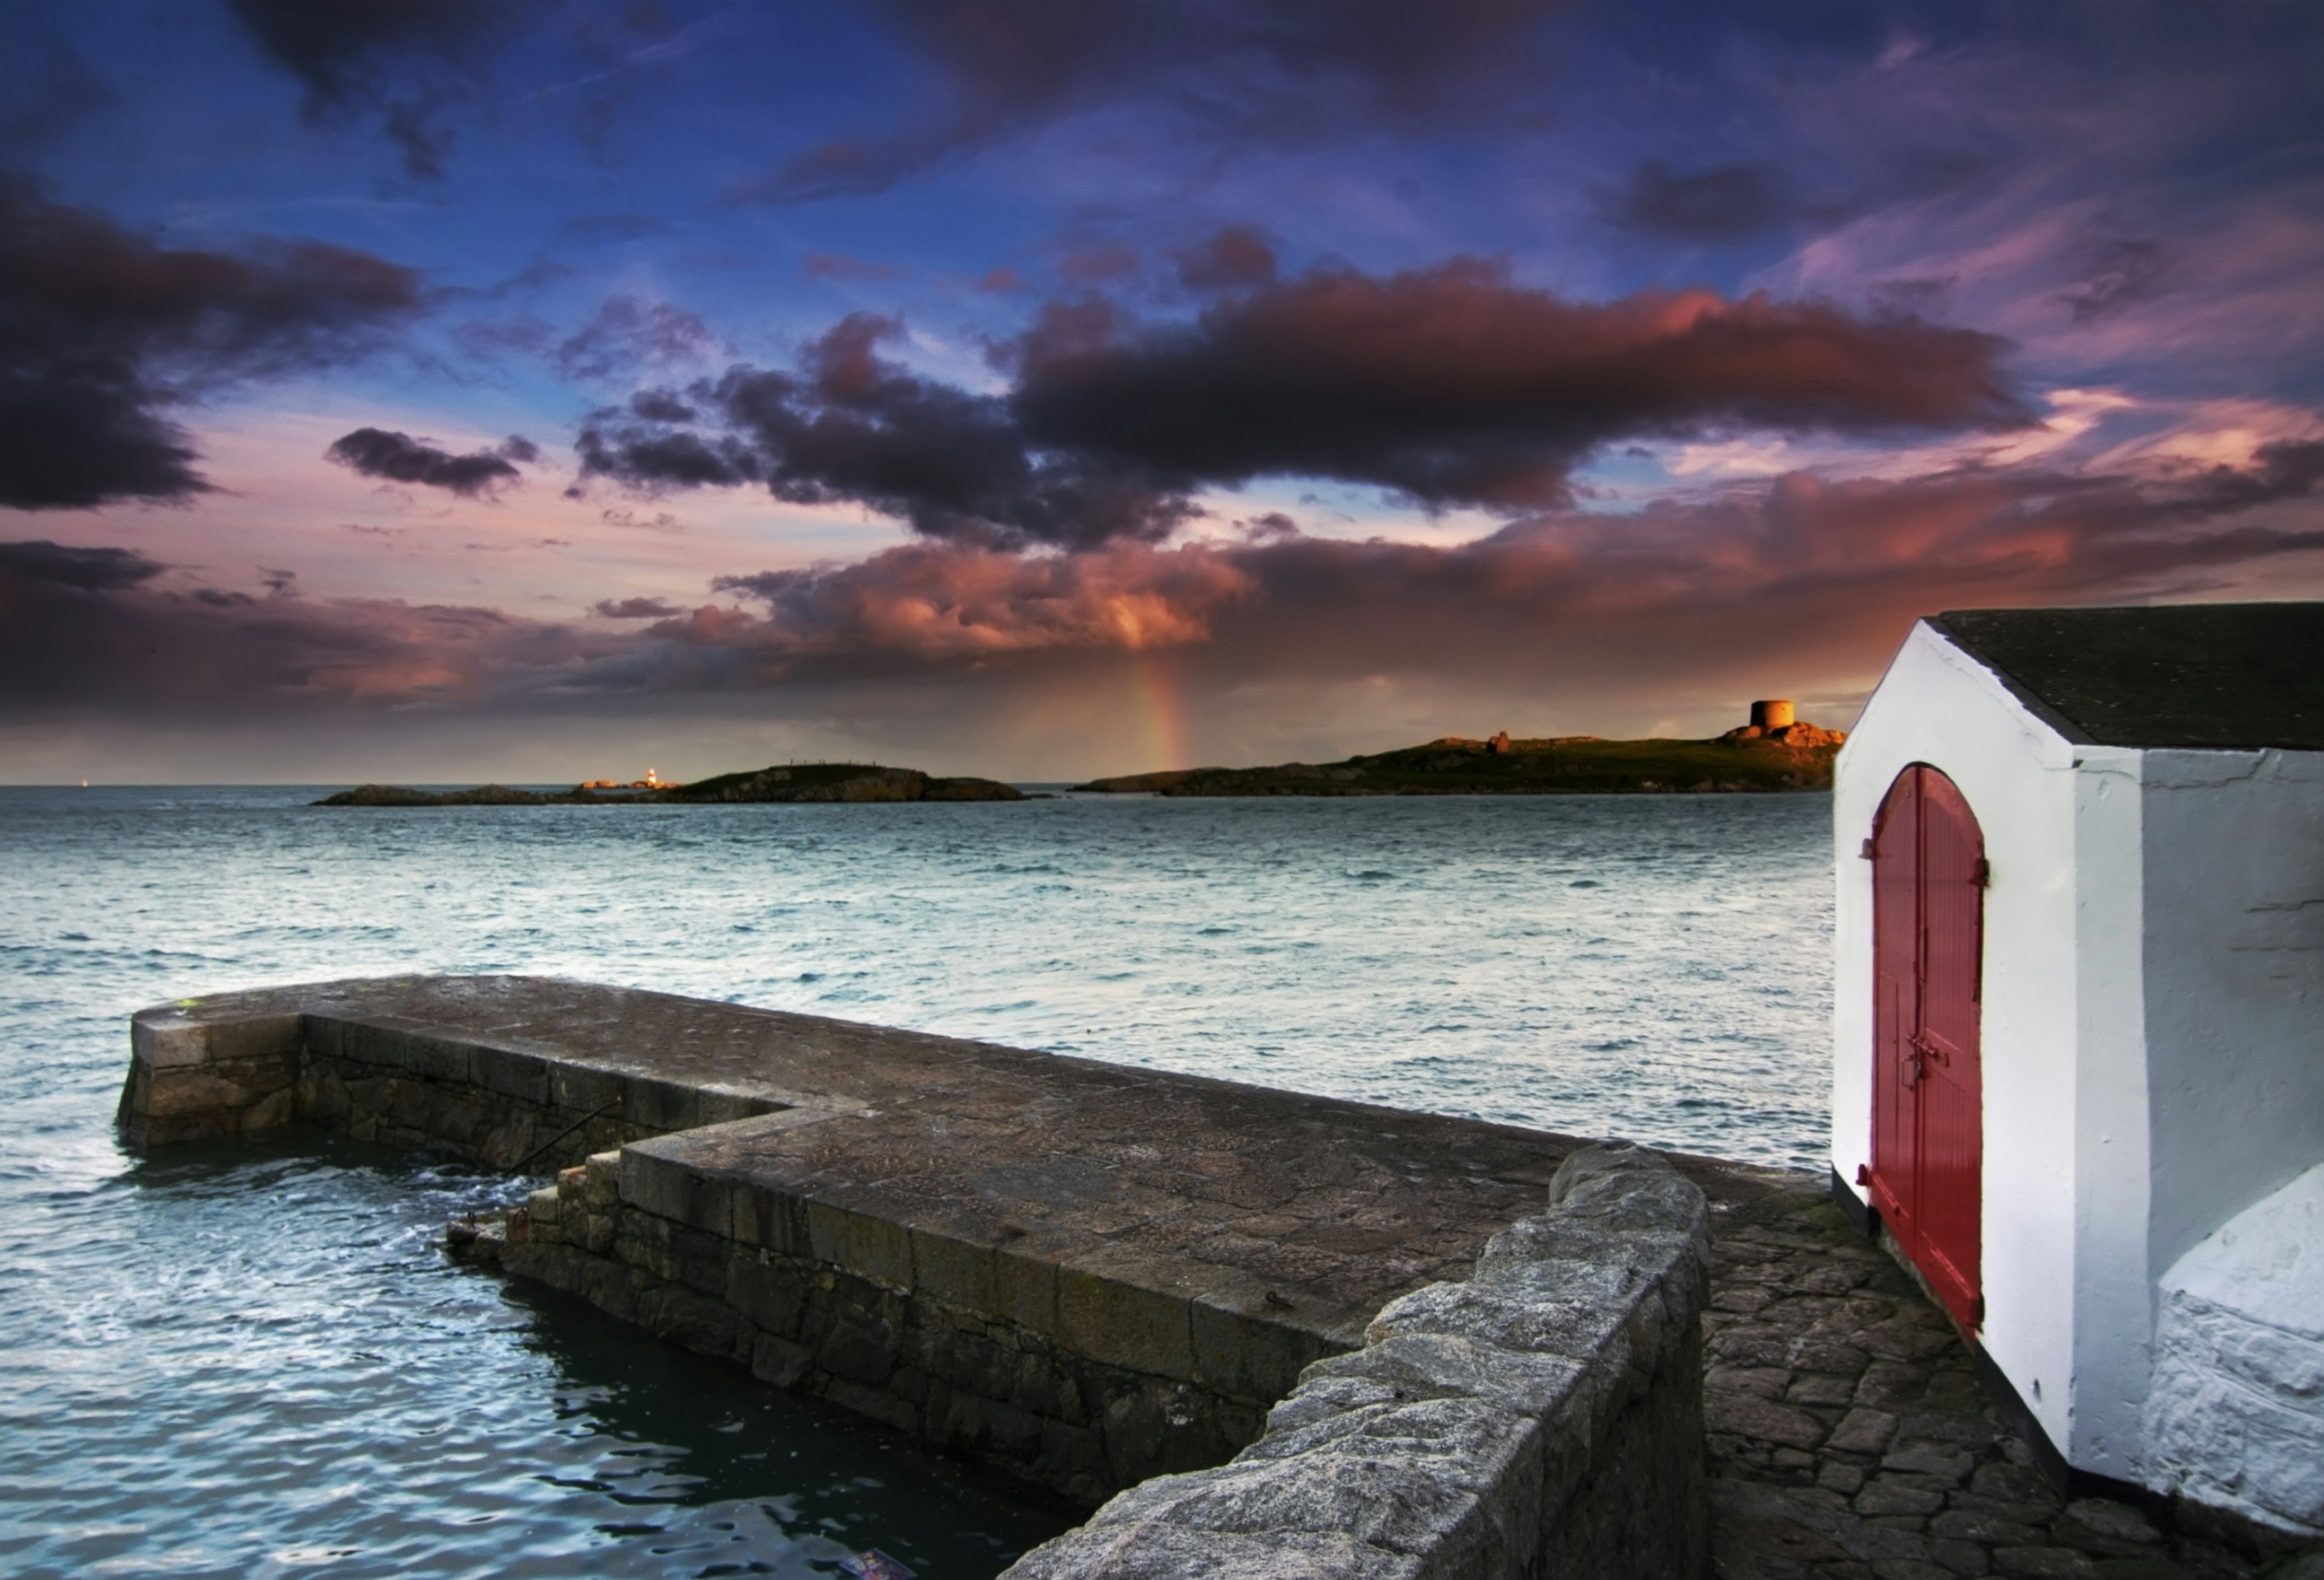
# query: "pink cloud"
x,y
1800,576
934,600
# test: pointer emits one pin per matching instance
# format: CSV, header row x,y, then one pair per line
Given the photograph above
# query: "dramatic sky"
x,y
442,391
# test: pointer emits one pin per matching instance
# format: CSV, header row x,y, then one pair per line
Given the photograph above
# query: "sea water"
x,y
256,1360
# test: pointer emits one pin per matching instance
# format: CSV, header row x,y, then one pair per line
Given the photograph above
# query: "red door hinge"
x,y
1981,874
1866,851
1977,1311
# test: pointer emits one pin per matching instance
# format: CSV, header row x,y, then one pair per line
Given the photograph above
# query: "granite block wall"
x,y
982,1351
508,1108
1542,1418
193,1079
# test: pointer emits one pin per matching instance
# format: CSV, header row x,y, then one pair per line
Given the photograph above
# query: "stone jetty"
x,y
1262,1334
1089,1275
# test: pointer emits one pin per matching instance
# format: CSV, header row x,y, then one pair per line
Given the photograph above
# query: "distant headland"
x,y
1774,751
798,782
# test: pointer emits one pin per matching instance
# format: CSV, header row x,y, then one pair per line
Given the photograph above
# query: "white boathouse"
x,y
2079,1055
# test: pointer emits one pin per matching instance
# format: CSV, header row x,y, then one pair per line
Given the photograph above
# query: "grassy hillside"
x,y
1798,757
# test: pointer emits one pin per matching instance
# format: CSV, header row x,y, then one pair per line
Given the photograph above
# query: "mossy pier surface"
x,y
1798,757
800,781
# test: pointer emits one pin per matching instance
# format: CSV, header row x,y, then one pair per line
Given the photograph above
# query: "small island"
x,y
1774,751
798,782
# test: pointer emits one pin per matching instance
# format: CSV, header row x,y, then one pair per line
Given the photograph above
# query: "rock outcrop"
x,y
396,795
1798,737
841,781
813,781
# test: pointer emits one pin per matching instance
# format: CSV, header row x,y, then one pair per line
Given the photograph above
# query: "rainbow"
x,y
1161,710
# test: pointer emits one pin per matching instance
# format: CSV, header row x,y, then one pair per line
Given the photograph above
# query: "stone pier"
x,y
1086,1274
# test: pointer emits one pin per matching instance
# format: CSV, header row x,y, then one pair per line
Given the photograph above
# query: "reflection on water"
x,y
257,1360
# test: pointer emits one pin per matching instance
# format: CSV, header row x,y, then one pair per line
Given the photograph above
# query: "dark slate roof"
x,y
2203,675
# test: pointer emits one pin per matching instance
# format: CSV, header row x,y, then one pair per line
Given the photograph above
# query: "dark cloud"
x,y
852,425
654,461
635,609
1236,257
1727,202
225,654
75,436
1235,71
627,333
101,331
399,458
400,62
659,406
123,649
91,570
1452,386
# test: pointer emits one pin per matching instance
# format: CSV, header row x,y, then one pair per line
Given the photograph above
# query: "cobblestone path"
x,y
1851,1439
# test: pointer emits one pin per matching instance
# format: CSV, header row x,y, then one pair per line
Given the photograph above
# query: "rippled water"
x,y
257,1360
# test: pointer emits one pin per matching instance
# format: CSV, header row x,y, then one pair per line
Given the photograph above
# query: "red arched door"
x,y
1927,948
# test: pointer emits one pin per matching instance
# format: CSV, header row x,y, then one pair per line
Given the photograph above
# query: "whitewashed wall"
x,y
2112,1277
2044,820
2234,981
2235,1031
